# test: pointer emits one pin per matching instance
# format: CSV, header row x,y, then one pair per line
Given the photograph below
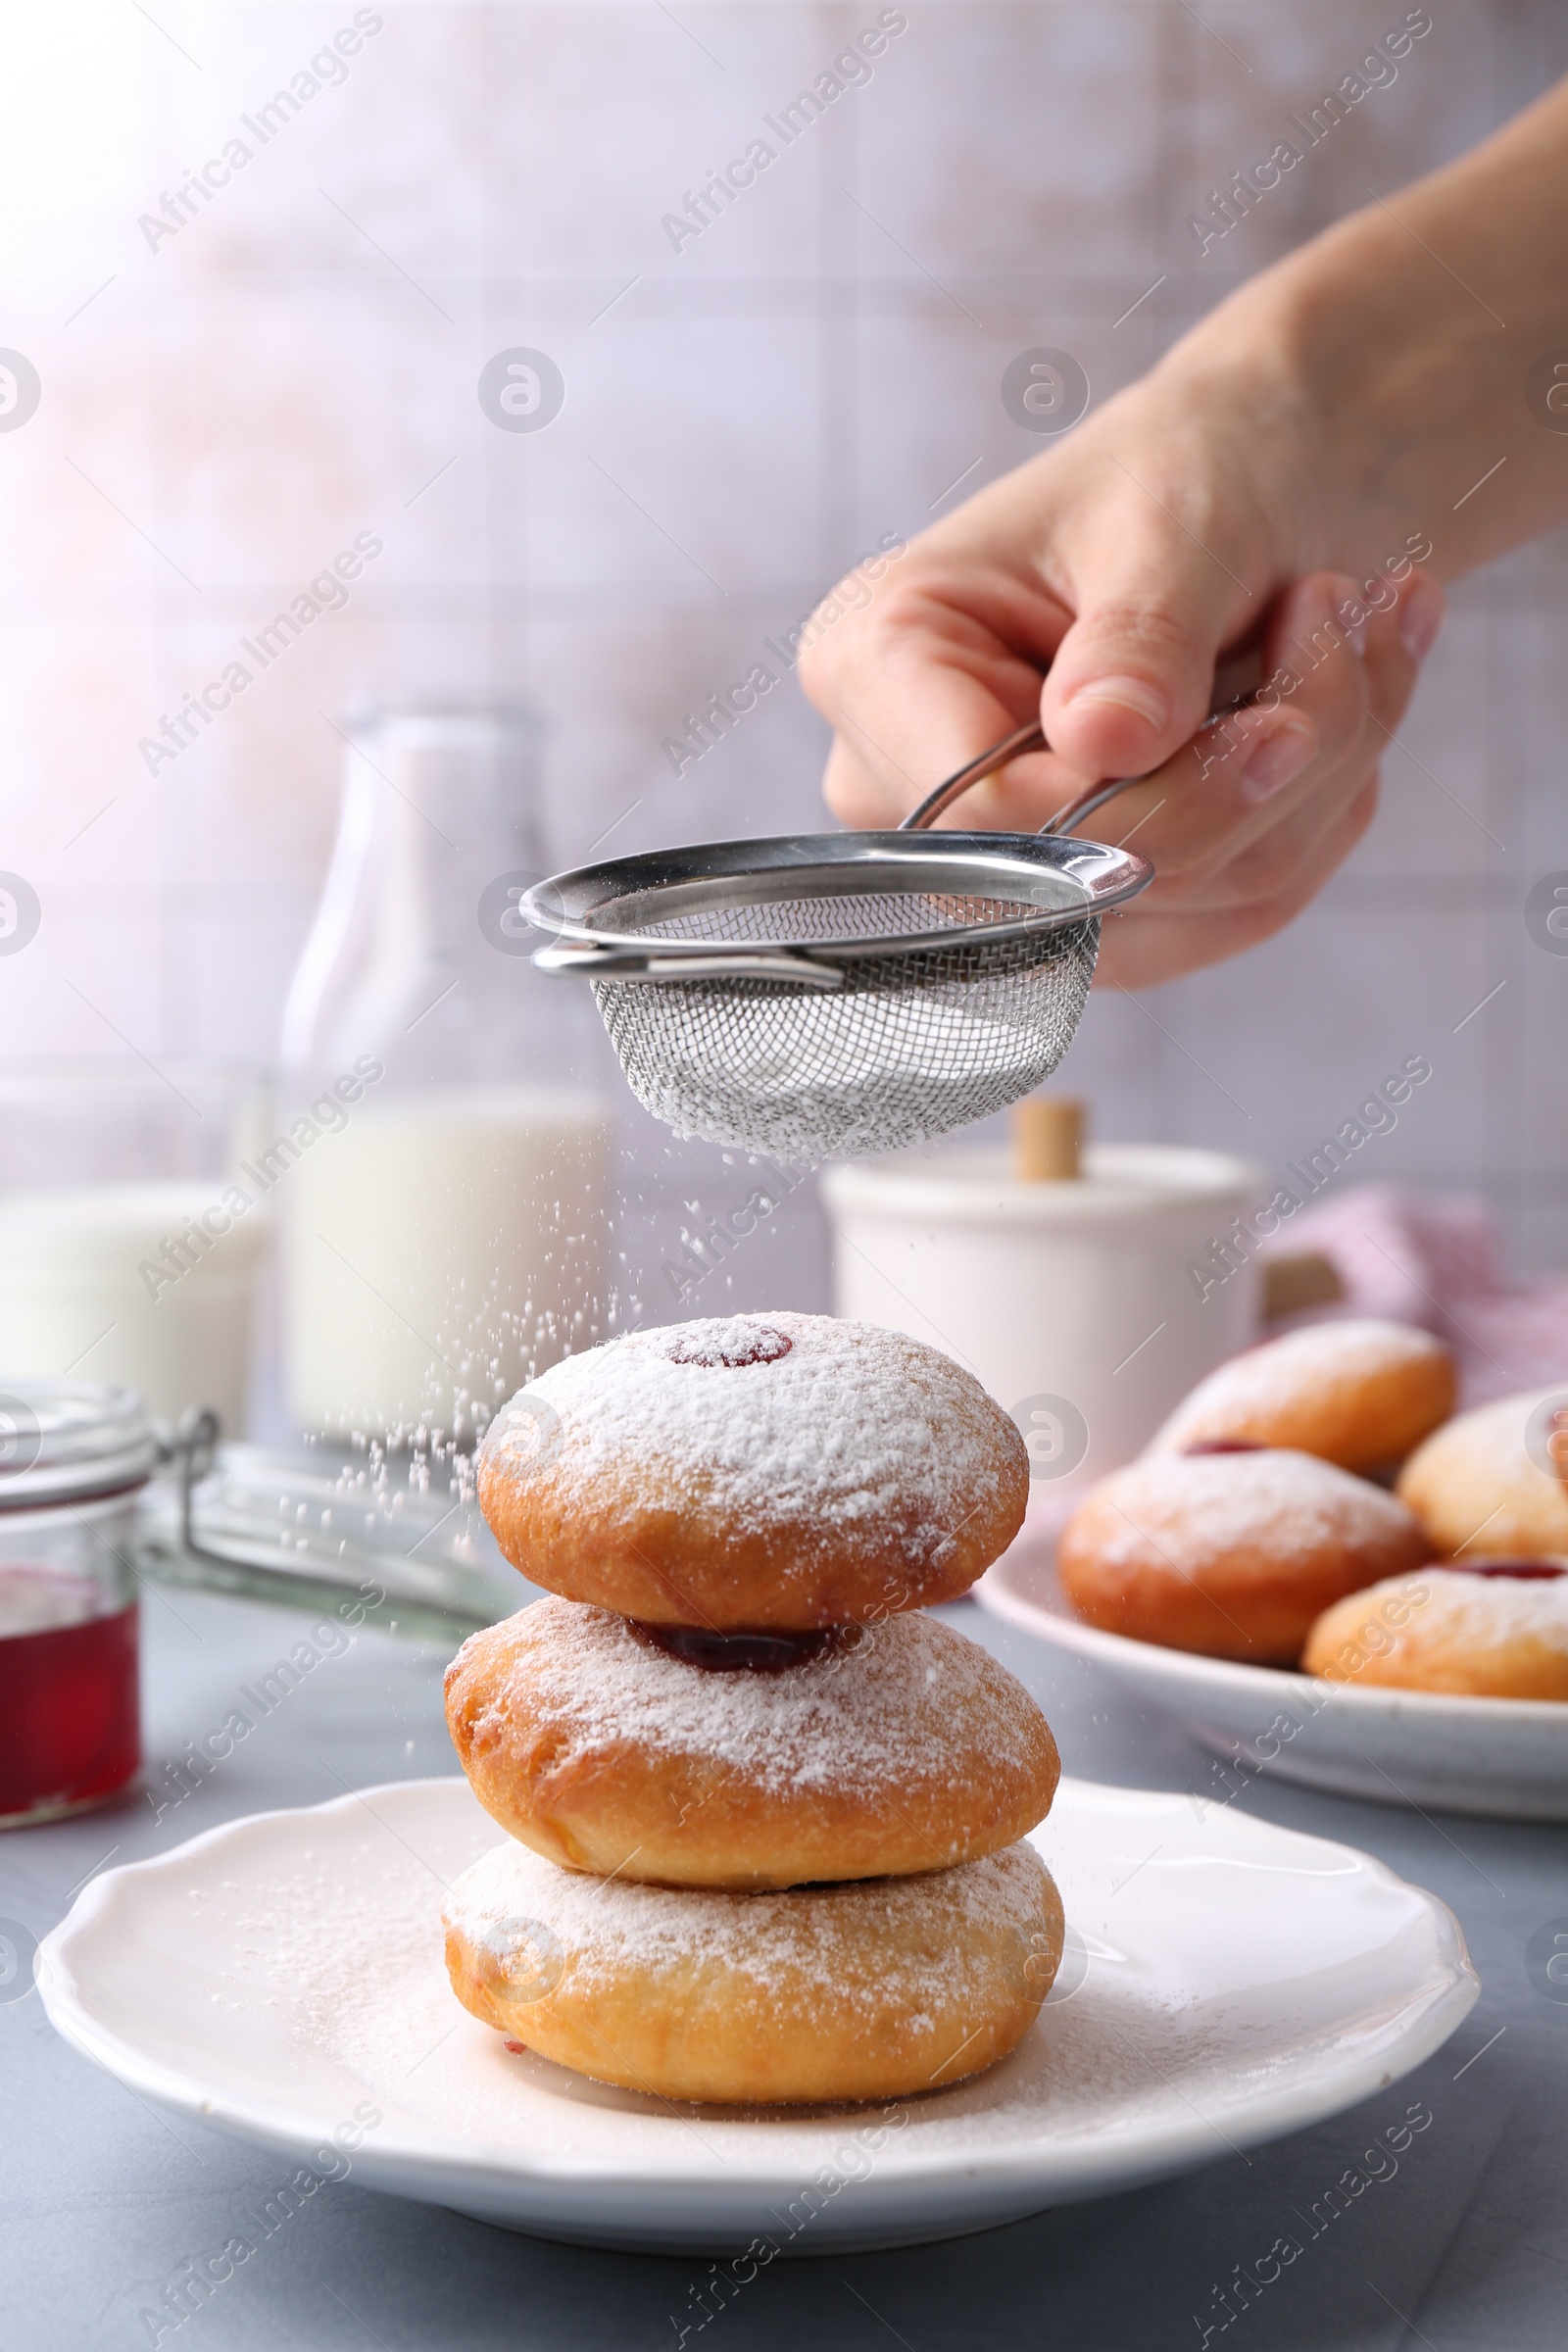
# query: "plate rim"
x,y
1096,2166
1193,1670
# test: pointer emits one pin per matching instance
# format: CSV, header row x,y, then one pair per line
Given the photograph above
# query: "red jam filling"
x,y
1227,1445
1528,1571
736,1653
760,1344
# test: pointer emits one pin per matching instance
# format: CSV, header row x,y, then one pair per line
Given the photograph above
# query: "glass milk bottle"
x,y
442,1186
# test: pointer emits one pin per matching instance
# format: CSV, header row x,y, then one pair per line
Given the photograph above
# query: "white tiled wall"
x,y
223,414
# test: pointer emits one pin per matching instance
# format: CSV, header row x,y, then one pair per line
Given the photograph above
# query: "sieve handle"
x,y
586,961
1031,738
1023,739
1085,806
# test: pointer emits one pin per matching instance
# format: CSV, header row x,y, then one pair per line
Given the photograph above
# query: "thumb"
x,y
1134,675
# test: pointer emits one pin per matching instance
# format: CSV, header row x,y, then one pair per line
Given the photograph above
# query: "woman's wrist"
x,y
1246,378
1395,373
1357,400
1388,361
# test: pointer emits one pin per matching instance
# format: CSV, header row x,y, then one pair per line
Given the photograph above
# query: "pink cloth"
x,y
1433,1258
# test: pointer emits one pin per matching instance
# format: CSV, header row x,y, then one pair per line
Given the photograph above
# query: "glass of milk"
x,y
443,1203
130,1246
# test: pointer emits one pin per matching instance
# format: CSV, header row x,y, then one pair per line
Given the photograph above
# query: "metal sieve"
x,y
832,994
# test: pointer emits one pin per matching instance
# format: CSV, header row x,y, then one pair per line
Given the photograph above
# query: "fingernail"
x,y
1136,695
1278,759
1316,617
1344,603
1422,613
1307,607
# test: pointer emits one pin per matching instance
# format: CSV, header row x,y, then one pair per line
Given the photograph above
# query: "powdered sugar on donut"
x,y
852,1428
1475,1613
1266,1382
1451,1632
605,1930
733,1343
875,1713
1290,1506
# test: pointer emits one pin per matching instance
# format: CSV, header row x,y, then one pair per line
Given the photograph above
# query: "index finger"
x,y
941,667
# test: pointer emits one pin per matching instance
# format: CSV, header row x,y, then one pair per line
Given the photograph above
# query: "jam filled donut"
x,y
1475,1486
1359,1394
746,1760
870,1990
1487,1629
760,1472
1231,1553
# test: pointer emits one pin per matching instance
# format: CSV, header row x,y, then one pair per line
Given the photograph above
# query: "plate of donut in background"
x,y
1326,1573
760,1921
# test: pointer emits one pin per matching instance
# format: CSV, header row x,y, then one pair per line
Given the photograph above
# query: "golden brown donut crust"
x,y
906,1747
1474,1487
1359,1394
1448,1629
756,1471
1231,1554
871,1990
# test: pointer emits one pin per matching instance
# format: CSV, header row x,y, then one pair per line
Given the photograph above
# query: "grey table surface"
x,y
103,2197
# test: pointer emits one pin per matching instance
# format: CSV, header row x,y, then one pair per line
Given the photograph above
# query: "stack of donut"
x,y
765,1817
1254,1525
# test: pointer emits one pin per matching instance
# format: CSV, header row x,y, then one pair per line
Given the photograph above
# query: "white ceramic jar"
x,y
1071,1301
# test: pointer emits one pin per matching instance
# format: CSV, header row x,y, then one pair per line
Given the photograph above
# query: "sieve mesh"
x,y
912,1045
848,917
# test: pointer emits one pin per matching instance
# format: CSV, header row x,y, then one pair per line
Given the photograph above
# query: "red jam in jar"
x,y
71,1461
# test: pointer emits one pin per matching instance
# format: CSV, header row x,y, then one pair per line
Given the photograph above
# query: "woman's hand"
x,y
1368,406
1140,566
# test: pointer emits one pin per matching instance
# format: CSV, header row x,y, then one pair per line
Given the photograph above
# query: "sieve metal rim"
x,y
993,865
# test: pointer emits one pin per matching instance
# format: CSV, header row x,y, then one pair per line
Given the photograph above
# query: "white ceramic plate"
x,y
1228,1982
1504,1758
